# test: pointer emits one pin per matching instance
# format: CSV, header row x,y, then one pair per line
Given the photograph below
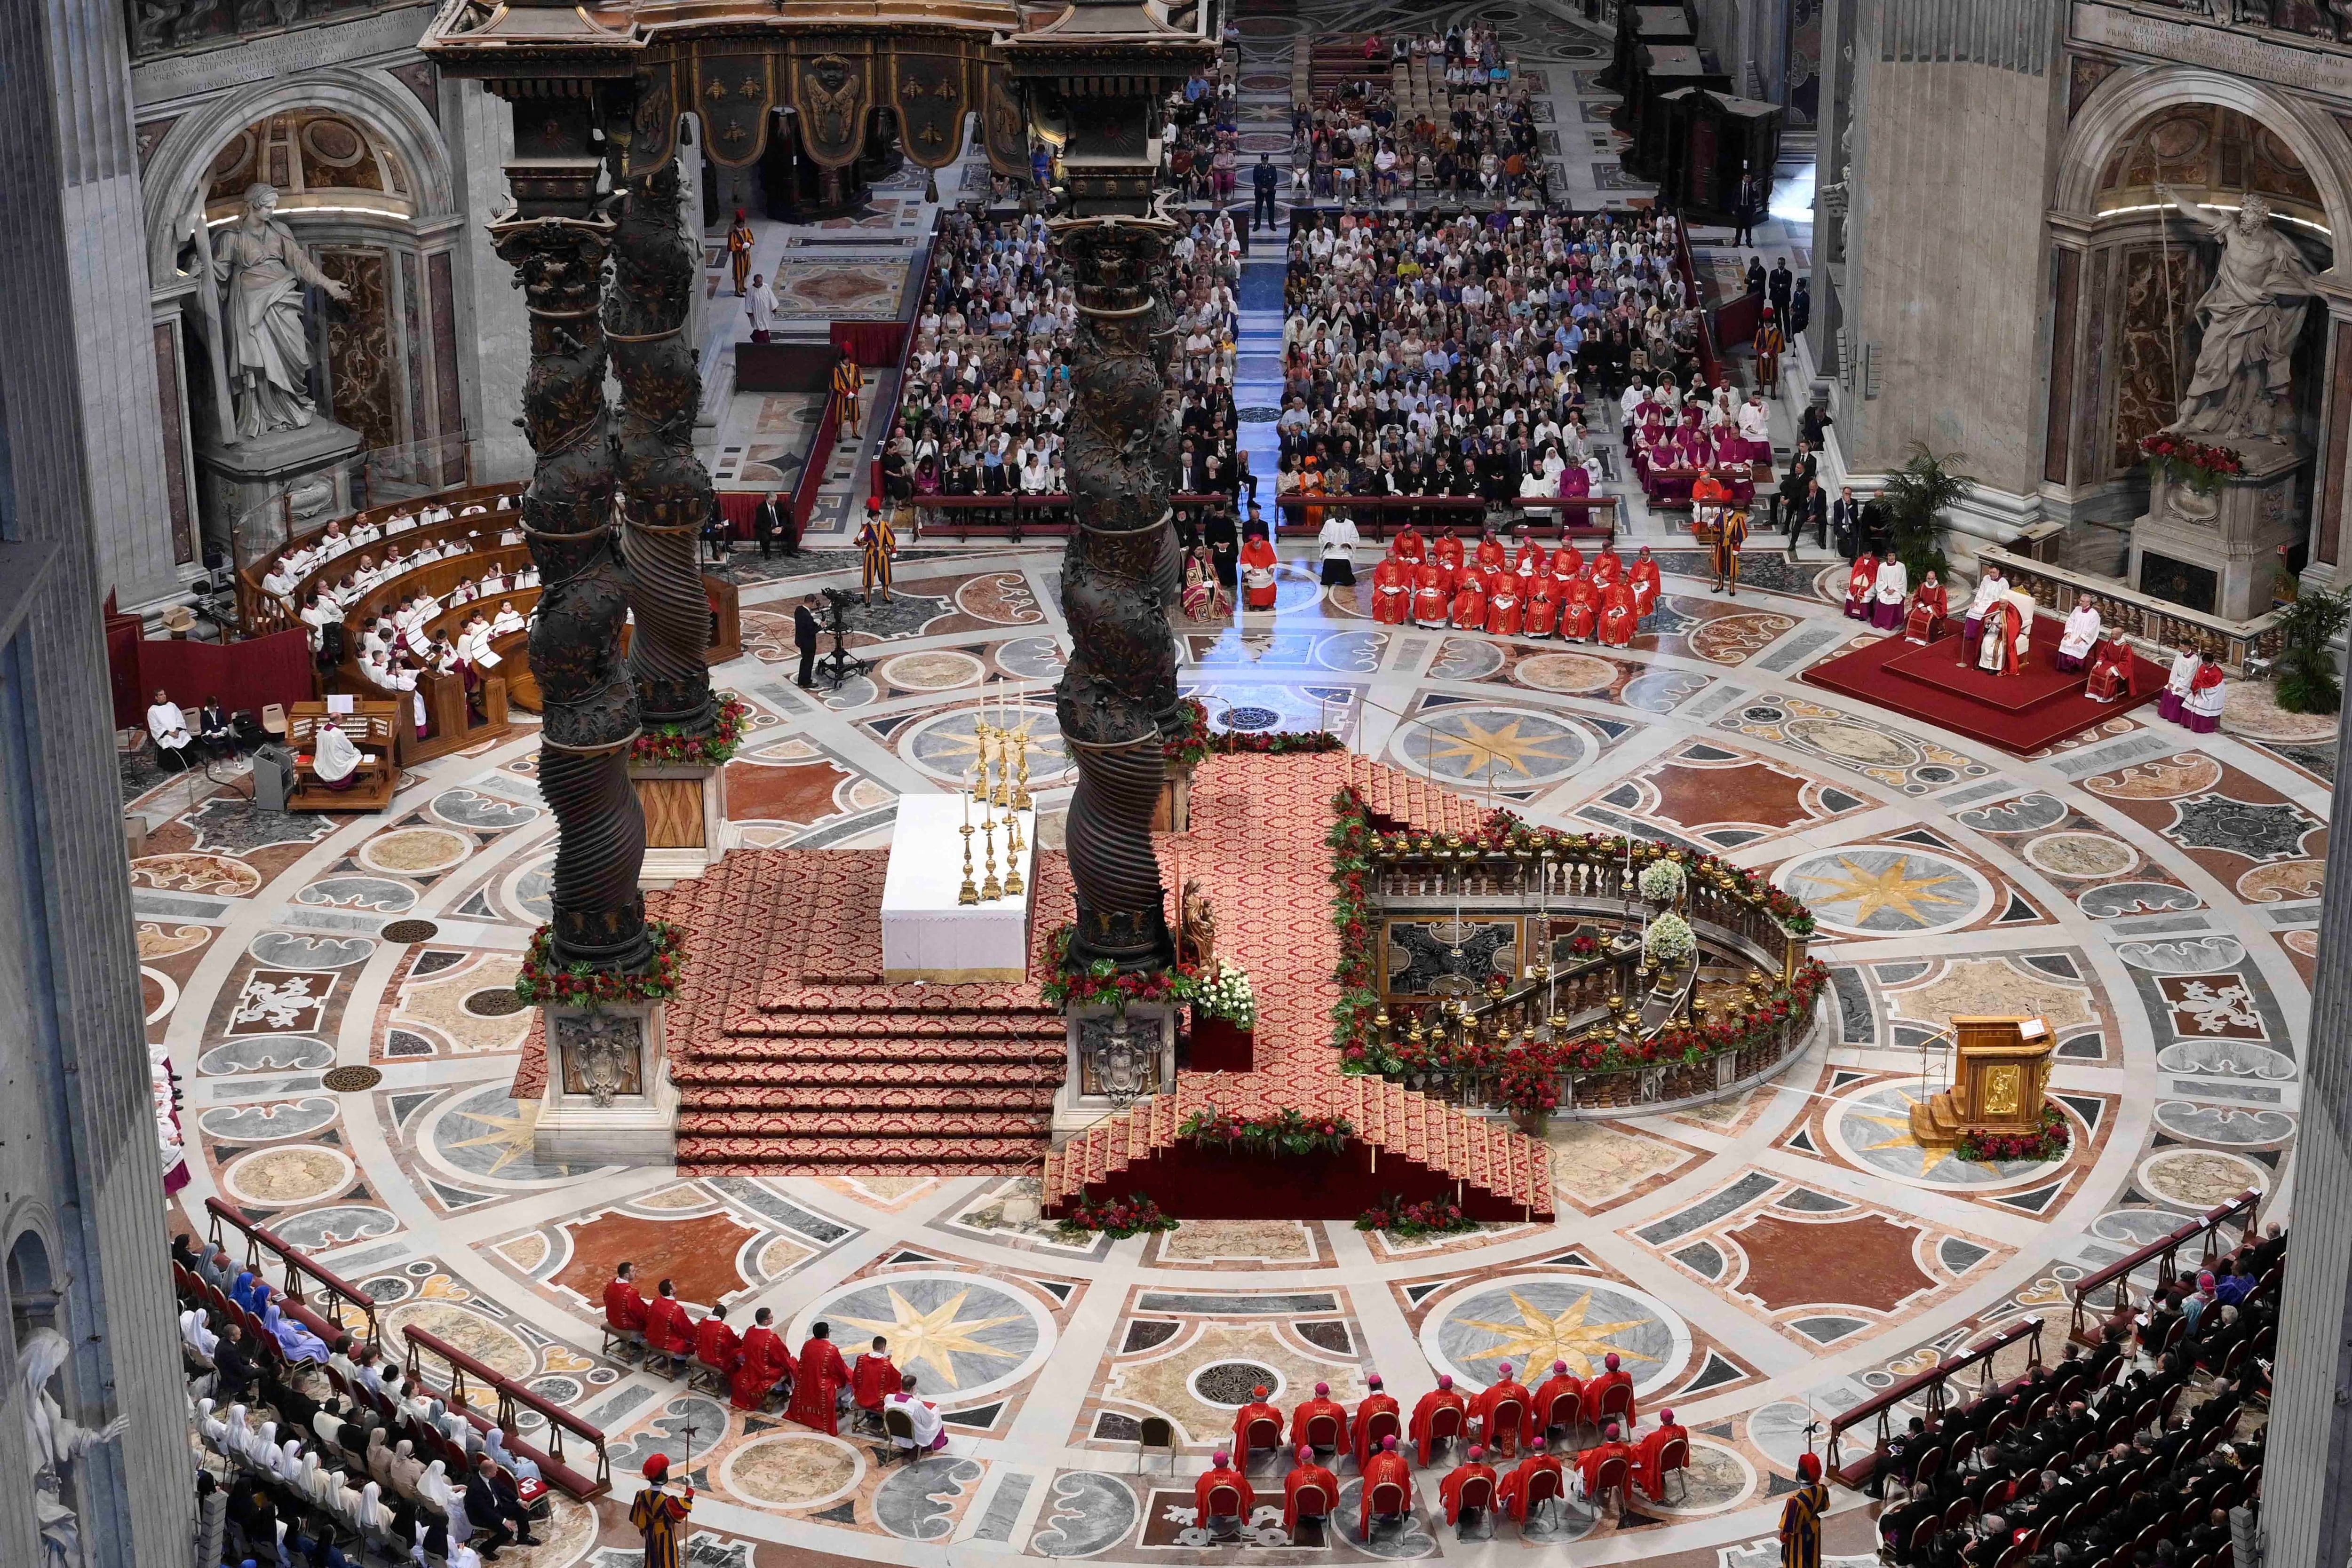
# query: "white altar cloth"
x,y
926,934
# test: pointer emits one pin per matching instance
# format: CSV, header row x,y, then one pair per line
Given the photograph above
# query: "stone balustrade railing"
x,y
2156,626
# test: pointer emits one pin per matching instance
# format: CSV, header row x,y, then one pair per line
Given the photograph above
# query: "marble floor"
x,y
1760,1263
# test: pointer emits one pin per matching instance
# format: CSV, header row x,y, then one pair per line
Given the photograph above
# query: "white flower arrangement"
x,y
1669,939
1228,994
1661,881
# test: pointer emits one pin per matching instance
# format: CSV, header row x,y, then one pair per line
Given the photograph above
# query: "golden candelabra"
x,y
1002,796
968,894
990,890
1021,797
1013,883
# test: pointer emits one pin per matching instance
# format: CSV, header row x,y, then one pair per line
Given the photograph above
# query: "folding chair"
x,y
1314,1506
896,1425
1155,1432
1613,1478
1503,1424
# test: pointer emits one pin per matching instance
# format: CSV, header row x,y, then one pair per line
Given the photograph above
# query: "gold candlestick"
x,y
1013,883
968,894
1021,799
990,889
1003,795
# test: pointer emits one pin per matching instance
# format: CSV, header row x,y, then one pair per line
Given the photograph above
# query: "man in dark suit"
x,y
1265,181
491,1501
764,527
1748,207
804,639
1779,286
1814,514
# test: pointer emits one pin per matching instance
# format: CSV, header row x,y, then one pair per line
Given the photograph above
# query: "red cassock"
x,y
1645,583
760,1361
668,1328
1558,1385
1423,1433
1618,619
1431,594
1448,551
1532,561
1255,1410
715,1342
1492,1398
1449,1491
2111,671
1359,1430
822,1375
1503,613
1300,1476
1222,1476
1392,592
623,1307
1491,555
1600,1385
1409,545
1608,567
1581,610
1470,605
1513,1493
1388,1469
1928,608
1589,1465
1646,1454
1566,562
1258,555
1543,611
873,1380
1308,1410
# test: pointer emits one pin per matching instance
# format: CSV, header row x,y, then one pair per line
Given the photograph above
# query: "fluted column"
x,y
591,708
665,490
1119,691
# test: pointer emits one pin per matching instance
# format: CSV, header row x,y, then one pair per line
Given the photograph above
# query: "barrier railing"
x,y
1710,354
1930,1384
820,458
512,1399
300,1272
2163,1252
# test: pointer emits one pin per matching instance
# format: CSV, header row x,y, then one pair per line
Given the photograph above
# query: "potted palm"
x,y
1916,497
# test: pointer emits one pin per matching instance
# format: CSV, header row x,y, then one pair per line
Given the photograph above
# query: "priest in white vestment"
x,y
930,1432
334,759
169,725
2081,634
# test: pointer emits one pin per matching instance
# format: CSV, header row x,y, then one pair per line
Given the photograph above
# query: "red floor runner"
x,y
2038,680
1944,698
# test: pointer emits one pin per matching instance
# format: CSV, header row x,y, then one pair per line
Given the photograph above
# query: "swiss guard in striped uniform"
x,y
848,385
1800,1518
661,1517
877,541
1729,536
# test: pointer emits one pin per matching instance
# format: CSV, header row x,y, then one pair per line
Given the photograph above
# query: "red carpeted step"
x,y
728,1167
1005,1071
885,1045
894,1150
931,1122
700,1096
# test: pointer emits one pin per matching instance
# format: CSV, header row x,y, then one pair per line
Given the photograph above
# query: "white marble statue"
x,y
2251,315
265,268
55,1442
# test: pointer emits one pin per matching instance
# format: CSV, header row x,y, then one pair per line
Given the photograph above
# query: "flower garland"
x,y
669,744
1230,996
1284,1132
2202,467
543,982
1118,1217
1412,1221
1350,841
2050,1143
1193,739
1101,983
1529,1081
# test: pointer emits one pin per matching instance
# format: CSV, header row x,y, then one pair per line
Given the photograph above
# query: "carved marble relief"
x,y
359,346
2153,348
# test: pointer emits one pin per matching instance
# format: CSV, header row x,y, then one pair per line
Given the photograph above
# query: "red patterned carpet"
x,y
2023,713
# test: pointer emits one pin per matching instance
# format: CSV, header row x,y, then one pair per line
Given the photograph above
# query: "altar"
x,y
928,934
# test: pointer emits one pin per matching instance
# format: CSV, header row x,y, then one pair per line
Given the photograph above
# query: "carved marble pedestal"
x,y
2235,533
253,493
685,819
1113,1062
608,1099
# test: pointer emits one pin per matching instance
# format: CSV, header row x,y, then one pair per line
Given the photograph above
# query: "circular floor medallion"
x,y
1565,672
410,931
1467,745
494,1002
303,1172
1871,1127
2200,1179
1465,659
963,1334
796,1469
352,1080
1533,1320
2164,780
2081,854
1249,719
1228,1384
940,670
1880,890
415,850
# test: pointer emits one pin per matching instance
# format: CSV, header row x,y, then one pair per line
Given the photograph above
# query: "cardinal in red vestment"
x,y
1409,545
1532,562
1432,594
1618,617
1484,1410
760,1362
816,1390
1320,1406
715,1342
1645,582
1220,1473
1608,567
1566,562
1612,1376
1490,554
1543,610
1502,609
668,1328
1388,1467
1580,610
1258,561
624,1306
1442,1397
1472,1468
1448,552
1256,1410
1307,1473
1470,604
1929,604
1649,1472
1588,1465
874,1379
1513,1493
1859,585
1392,592
2111,669
1359,1430
1545,1410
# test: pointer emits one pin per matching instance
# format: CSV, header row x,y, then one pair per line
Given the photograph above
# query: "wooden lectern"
x,y
2001,1066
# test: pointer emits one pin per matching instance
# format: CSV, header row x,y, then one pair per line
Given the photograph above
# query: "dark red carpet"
x,y
2021,712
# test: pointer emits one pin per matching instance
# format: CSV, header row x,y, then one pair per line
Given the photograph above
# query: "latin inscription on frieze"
x,y
2266,58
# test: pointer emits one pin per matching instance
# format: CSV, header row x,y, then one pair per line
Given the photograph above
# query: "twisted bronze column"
x,y
666,492
589,708
1118,692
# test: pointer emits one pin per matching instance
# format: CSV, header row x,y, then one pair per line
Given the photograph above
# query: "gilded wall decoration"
x,y
2205,146
359,346
830,91
932,98
733,93
2154,345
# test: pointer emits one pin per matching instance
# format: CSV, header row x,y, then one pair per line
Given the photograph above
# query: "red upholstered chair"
x,y
1923,1537
1266,1432
1323,1432
1478,1492
1543,1487
1616,1404
1223,1501
1612,1479
1314,1503
1566,1412
1673,1460
1445,1425
1503,1424
1381,1502
1930,1465
2013,1557
1383,1423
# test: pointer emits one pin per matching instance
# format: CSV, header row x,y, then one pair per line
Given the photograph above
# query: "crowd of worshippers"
x,y
1435,355
755,1371
1351,146
988,381
323,1453
1514,1451
2125,1457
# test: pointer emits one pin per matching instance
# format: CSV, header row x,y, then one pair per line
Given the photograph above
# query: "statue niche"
x,y
263,269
